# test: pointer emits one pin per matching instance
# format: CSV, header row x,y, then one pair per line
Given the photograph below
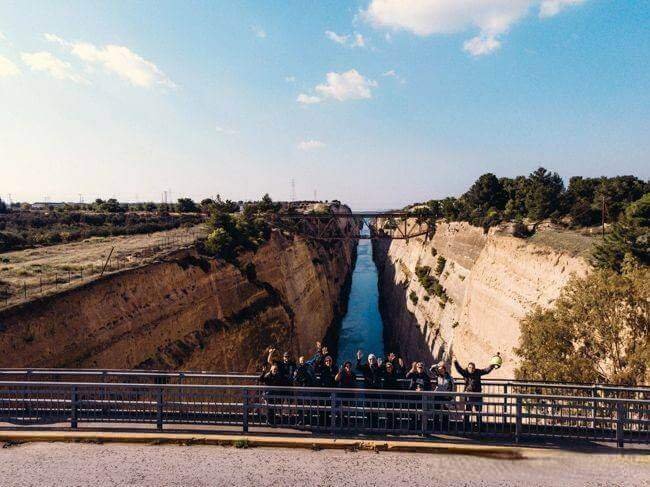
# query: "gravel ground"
x,y
77,464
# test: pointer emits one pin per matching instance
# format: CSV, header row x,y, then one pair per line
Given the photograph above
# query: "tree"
x,y
579,201
598,331
3,206
543,193
187,205
629,239
618,192
515,191
486,192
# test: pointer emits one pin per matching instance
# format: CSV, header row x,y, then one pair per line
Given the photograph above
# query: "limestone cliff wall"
x,y
187,311
491,280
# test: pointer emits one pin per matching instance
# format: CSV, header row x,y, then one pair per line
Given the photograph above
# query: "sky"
x,y
378,103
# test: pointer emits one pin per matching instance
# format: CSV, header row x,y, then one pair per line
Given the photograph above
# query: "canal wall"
x,y
488,282
187,311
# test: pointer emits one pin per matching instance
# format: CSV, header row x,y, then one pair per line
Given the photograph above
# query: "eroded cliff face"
x,y
490,280
188,311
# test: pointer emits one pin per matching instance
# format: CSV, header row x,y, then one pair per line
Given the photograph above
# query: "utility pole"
x,y
602,217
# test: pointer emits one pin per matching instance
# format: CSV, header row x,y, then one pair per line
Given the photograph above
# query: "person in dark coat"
x,y
371,371
418,377
397,363
472,377
273,377
345,377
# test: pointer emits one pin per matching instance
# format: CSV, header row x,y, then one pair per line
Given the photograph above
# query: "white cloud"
x,y
346,86
550,8
225,131
46,62
339,39
2,36
308,145
356,40
290,79
119,60
493,18
8,68
259,32
481,45
307,99
391,73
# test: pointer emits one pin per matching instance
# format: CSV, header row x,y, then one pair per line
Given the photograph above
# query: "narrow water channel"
x,y
362,327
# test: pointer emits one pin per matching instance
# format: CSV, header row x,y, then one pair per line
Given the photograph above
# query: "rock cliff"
x,y
187,311
488,281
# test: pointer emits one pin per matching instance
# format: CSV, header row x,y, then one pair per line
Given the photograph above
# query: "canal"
x,y
362,326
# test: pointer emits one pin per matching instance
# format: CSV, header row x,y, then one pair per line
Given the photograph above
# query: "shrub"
x,y
413,297
597,331
440,265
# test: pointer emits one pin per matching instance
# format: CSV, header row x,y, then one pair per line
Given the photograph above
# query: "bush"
x,y
440,265
597,331
413,297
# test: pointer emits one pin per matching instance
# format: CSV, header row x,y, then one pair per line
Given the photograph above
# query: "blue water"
x,y
362,327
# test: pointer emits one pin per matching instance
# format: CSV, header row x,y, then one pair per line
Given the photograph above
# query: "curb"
x,y
248,441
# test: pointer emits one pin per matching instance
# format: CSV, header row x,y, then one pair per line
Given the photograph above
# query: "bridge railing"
x,y
333,411
490,386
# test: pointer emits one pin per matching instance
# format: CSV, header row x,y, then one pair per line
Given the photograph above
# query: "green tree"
x,y
486,193
3,207
187,205
597,331
515,191
543,193
629,239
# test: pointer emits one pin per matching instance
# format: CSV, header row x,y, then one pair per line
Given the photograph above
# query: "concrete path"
x,y
152,464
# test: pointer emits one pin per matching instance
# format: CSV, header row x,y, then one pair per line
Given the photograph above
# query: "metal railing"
x,y
490,386
333,411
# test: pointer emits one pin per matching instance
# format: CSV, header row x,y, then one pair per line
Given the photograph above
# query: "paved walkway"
x,y
111,464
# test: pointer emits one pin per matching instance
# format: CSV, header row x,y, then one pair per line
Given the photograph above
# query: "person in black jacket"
x,y
472,377
273,377
345,377
390,380
418,377
371,371
397,363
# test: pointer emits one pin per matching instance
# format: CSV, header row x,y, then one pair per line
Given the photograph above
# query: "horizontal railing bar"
x,y
183,375
350,391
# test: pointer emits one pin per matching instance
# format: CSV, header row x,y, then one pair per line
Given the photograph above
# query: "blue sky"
x,y
375,102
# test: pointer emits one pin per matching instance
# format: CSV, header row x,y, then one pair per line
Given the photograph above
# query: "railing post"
x,y
594,408
504,413
333,413
620,423
245,412
425,418
73,408
518,418
159,409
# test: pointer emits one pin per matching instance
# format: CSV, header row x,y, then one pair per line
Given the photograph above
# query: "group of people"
x,y
376,373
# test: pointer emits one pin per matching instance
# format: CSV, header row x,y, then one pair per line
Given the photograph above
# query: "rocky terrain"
x,y
488,281
187,311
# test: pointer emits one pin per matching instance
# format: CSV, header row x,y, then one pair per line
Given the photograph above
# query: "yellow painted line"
x,y
504,452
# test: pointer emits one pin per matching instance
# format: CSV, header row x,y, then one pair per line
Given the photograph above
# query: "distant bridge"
x,y
364,225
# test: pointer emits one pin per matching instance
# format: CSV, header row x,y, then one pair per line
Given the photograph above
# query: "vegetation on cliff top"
x,y
598,331
540,195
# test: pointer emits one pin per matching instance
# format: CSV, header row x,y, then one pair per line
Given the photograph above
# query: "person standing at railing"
x,y
345,377
303,375
286,365
443,383
397,363
472,377
390,381
372,373
372,379
418,377
272,377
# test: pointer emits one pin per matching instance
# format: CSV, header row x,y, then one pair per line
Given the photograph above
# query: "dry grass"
x,y
85,259
576,244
